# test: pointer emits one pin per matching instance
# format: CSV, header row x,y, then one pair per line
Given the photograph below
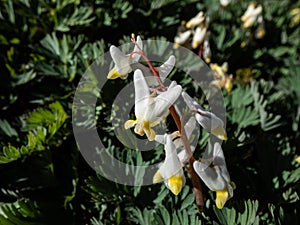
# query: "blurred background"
x,y
47,45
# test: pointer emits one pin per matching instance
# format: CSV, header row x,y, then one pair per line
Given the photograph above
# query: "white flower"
x,y
225,3
170,170
251,14
209,121
206,49
199,36
195,21
213,172
150,110
182,38
189,127
123,62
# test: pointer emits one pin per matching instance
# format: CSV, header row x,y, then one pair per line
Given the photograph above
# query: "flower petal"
x,y
221,198
195,21
142,93
157,177
183,37
121,61
130,123
219,160
136,57
191,103
171,165
199,36
166,68
113,74
211,176
175,184
211,123
164,101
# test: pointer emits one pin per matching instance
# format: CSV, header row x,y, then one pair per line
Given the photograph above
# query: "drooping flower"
x,y
123,62
196,21
181,38
213,171
206,49
209,121
170,171
189,127
199,35
251,14
150,109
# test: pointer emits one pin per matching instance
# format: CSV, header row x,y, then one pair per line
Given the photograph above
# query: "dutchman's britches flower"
x,y
199,36
209,121
170,171
196,21
196,27
213,171
251,14
181,38
206,50
181,152
150,109
123,62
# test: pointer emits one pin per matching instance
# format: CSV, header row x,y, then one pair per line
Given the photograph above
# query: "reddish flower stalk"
x,y
194,177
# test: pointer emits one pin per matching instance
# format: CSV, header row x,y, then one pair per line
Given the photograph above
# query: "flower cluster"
x,y
153,103
195,33
253,19
222,79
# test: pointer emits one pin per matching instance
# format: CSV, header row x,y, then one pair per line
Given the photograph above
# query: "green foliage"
x,y
46,47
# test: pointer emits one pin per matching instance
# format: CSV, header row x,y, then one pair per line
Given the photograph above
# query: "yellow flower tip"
x,y
133,36
223,137
189,24
220,133
298,159
176,45
149,131
157,177
260,33
129,123
243,44
229,85
248,23
207,59
113,74
175,184
195,44
221,198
